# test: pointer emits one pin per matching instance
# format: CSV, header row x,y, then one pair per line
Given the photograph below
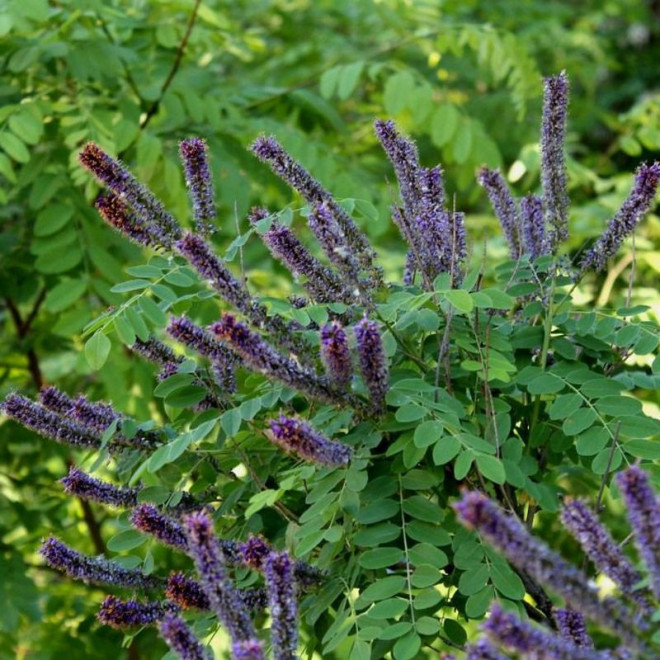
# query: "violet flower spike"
x,y
115,176
643,509
373,362
599,546
169,531
156,351
119,216
511,537
250,649
553,164
336,355
268,150
56,400
572,627
282,605
82,485
181,639
504,206
509,631
186,592
482,649
119,613
532,224
209,560
194,155
254,552
295,436
96,570
624,222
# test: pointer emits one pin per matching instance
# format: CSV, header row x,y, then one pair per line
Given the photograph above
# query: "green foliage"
x,y
545,422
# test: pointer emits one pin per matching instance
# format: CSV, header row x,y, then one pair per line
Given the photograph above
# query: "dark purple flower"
x,y
96,415
56,400
254,599
181,639
553,164
156,351
254,551
49,424
263,358
295,436
282,605
643,509
335,355
249,649
526,553
194,155
482,649
322,284
509,631
186,592
169,369
130,613
210,267
572,627
96,570
373,362
504,206
115,176
80,484
624,222
533,226
169,531
599,545
119,216
270,151
208,556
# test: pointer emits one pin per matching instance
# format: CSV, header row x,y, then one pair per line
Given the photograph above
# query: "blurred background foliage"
x,y
461,77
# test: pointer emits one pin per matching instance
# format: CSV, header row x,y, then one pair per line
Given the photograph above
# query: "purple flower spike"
x,y
295,436
97,416
181,639
533,226
263,358
336,355
151,213
55,400
39,419
119,216
322,284
644,516
156,351
599,546
254,552
130,613
250,649
209,560
373,362
282,605
504,206
194,154
201,257
572,627
186,592
80,484
96,570
270,151
511,537
624,222
255,599
147,518
482,649
553,165
508,630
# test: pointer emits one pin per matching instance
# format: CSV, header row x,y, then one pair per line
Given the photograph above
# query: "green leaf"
x,y
383,588
348,79
459,299
600,463
564,406
446,449
425,576
397,91
126,540
592,441
425,553
389,608
491,468
422,509
443,124
474,580
546,383
97,349
410,412
598,387
619,406
377,511
52,219
377,535
152,311
462,141
649,449
185,397
407,647
380,557
130,285
64,294
454,631
463,464
579,421
427,433
507,582
477,604
231,421
14,147
328,82
394,631
59,261
426,599
124,330
420,480
26,126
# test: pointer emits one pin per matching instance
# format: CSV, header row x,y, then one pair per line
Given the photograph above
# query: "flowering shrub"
x,y
307,456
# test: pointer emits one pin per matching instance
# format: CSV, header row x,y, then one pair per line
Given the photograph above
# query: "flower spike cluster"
x,y
119,613
181,639
194,155
282,605
373,362
80,484
336,355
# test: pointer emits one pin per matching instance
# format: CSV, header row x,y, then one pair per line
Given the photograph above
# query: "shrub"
x,y
343,422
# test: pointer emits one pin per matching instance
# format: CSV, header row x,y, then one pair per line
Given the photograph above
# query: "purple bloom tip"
x,y
129,613
181,639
